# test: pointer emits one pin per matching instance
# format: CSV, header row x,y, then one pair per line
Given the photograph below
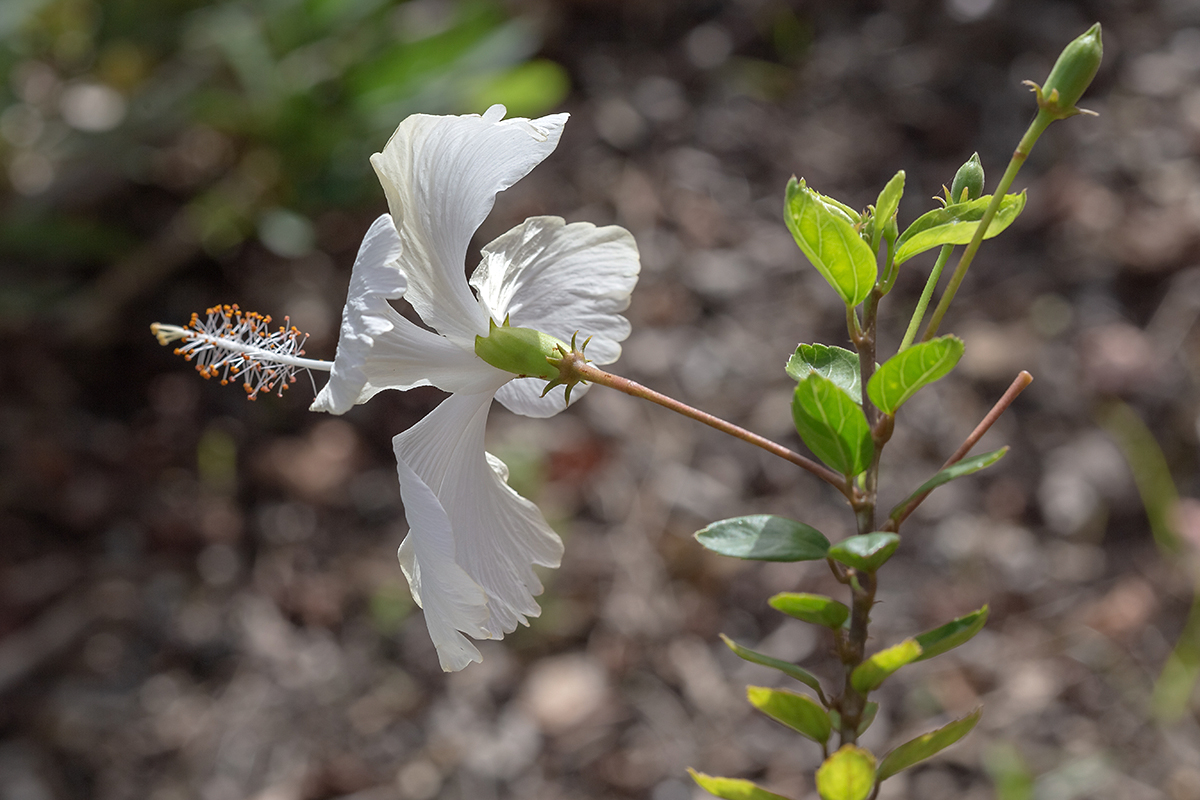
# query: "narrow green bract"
x,y
798,712
952,634
926,745
786,667
886,205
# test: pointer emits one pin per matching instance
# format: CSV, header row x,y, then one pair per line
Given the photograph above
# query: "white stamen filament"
x,y
232,343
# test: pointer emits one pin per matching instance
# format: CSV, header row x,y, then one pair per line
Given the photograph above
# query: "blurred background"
x,y
199,596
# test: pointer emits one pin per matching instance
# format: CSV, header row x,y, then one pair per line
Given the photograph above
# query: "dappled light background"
x,y
199,596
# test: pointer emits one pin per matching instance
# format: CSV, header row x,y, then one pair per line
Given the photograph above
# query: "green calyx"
x,y
1072,74
528,353
969,179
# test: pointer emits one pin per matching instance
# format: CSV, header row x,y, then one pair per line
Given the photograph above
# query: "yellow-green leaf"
x,y
868,675
926,745
798,712
831,243
848,774
733,788
902,375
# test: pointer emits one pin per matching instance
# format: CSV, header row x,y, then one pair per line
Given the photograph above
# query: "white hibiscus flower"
x,y
472,541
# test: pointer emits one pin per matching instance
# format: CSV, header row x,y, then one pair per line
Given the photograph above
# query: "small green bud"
x,y
969,179
521,351
1073,73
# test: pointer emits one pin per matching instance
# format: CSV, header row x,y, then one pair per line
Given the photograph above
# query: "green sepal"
x,y
830,242
968,179
952,634
522,351
956,224
866,552
868,716
815,609
786,667
904,374
885,207
836,363
848,774
732,788
868,675
832,425
1072,73
926,745
764,537
967,466
801,714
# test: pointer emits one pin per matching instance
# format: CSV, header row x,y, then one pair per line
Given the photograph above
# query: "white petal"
x,y
498,535
379,349
451,600
559,279
441,176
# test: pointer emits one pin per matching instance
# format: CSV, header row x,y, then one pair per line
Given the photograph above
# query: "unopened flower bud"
x,y
521,351
969,178
1073,72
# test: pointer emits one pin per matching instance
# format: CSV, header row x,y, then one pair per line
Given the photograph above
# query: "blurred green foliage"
x,y
254,116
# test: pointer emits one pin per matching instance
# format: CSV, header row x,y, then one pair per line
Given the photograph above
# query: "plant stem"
x,y
926,295
1018,385
594,374
852,702
1036,128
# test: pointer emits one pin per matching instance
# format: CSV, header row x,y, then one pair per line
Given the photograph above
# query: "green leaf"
x,y
868,716
786,667
835,363
868,675
831,243
867,552
956,224
963,468
902,375
927,745
848,774
764,537
813,608
886,205
952,634
800,713
832,425
733,788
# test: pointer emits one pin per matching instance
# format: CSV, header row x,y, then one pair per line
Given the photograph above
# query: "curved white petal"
x,y
498,535
441,175
559,279
379,349
451,600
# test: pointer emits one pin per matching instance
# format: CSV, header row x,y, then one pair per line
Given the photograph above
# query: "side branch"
x,y
596,375
1018,385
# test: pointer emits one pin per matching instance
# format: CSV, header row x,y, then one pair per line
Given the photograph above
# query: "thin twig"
x,y
596,375
1018,385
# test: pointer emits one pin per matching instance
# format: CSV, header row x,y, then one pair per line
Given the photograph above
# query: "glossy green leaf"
x,y
764,537
904,374
786,667
733,788
813,608
802,714
848,774
830,242
963,468
832,425
952,634
867,552
868,675
836,363
956,224
926,745
838,207
886,205
868,716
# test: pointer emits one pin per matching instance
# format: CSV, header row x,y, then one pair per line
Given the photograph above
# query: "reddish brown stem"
x,y
597,375
1018,385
